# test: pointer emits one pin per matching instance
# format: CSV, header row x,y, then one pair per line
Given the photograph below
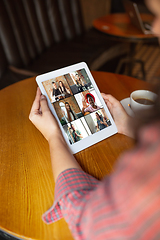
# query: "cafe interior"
x,y
41,36
38,36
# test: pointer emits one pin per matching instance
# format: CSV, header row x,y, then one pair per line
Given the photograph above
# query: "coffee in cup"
x,y
142,99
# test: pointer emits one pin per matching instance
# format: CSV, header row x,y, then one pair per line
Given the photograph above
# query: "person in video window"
x,y
90,99
101,123
76,134
56,94
80,84
70,115
64,90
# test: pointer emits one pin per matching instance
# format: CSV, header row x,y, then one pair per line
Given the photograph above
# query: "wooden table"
x,y
120,28
26,181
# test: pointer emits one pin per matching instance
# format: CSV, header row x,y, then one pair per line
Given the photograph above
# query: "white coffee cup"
x,y
142,99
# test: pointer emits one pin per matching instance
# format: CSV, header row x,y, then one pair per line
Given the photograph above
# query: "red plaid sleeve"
x,y
125,205
71,180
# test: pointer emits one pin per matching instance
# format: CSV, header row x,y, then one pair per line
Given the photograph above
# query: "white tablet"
x,y
78,106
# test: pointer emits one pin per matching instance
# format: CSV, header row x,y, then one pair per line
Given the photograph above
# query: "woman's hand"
x,y
45,122
121,118
42,117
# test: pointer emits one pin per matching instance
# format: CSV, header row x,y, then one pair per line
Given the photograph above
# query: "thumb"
x,y
44,104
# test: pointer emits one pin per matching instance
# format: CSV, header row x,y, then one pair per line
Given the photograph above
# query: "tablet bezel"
x,y
95,137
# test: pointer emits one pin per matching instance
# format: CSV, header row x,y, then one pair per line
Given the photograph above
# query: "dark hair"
x,y
61,82
62,86
68,104
69,111
98,115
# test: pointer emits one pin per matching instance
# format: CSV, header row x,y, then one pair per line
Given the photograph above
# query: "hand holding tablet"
x,y
78,106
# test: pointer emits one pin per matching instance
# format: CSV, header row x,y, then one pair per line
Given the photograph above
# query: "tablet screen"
x,y
77,102
77,105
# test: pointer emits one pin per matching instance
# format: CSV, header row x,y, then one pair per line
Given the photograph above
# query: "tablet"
x,y
75,101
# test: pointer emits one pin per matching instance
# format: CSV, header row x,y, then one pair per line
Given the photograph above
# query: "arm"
x,y
61,157
78,134
73,186
103,122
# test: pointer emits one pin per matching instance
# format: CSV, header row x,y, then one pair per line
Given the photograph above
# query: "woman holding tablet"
x,y
125,205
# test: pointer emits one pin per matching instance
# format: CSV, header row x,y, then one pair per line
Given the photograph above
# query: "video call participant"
x,y
64,90
76,134
80,84
124,204
90,99
55,92
101,124
70,115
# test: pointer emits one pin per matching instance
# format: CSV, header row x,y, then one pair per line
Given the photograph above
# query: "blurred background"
x,y
37,36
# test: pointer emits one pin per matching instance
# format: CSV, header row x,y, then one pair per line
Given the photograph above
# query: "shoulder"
x,y
150,134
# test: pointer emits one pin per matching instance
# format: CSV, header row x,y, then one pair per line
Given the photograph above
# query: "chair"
x,y
38,36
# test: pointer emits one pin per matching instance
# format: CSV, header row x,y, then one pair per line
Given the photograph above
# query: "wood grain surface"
x,y
26,181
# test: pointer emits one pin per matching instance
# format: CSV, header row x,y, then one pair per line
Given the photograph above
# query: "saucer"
x,y
125,103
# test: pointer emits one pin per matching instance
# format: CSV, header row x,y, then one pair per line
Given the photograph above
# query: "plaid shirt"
x,y
125,205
